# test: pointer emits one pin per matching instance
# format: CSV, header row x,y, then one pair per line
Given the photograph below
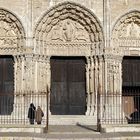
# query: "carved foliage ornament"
x,y
69,22
10,30
128,27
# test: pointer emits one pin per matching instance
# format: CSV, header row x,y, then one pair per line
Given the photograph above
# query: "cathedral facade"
x,y
74,50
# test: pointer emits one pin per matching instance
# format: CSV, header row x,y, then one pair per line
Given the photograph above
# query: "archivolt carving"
x,y
68,22
128,28
11,32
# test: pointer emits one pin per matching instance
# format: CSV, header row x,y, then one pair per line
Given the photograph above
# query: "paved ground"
x,y
70,133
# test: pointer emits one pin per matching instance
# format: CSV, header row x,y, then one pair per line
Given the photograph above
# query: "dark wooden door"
x,y
131,71
67,86
6,85
131,81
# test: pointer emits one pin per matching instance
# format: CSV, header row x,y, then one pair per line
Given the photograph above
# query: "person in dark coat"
x,y
134,117
38,115
31,113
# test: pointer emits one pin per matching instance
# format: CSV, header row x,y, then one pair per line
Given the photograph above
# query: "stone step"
x,y
120,128
72,120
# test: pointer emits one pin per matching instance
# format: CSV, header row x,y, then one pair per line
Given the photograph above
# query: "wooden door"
x,y
131,82
131,71
6,85
67,86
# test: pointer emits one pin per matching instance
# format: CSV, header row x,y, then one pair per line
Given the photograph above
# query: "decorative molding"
x,y
68,49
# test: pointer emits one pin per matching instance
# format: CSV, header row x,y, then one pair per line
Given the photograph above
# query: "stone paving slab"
x,y
70,133
110,136
72,129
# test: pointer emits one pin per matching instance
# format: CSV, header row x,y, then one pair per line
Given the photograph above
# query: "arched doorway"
x,y
131,83
12,37
6,85
69,29
68,92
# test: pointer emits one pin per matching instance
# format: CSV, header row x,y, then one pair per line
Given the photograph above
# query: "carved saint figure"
x,y
133,30
81,34
68,31
56,33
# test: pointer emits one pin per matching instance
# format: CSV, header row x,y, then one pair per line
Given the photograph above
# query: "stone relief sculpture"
x,y
67,22
131,30
126,32
80,34
56,33
11,33
128,27
134,30
8,37
68,31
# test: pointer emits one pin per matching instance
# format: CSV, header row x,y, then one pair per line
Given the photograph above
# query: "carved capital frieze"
x,y
68,49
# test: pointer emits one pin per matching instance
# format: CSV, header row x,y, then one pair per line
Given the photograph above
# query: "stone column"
x,y
28,84
48,80
92,86
113,112
101,85
96,71
35,63
40,76
37,78
18,111
43,73
18,73
100,67
88,85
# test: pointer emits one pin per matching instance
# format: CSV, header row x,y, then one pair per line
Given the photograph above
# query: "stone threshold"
x,y
72,120
120,128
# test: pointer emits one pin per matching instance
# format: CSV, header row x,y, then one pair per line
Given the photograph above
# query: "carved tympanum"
x,y
68,31
8,37
69,22
130,30
11,31
65,26
126,32
128,27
